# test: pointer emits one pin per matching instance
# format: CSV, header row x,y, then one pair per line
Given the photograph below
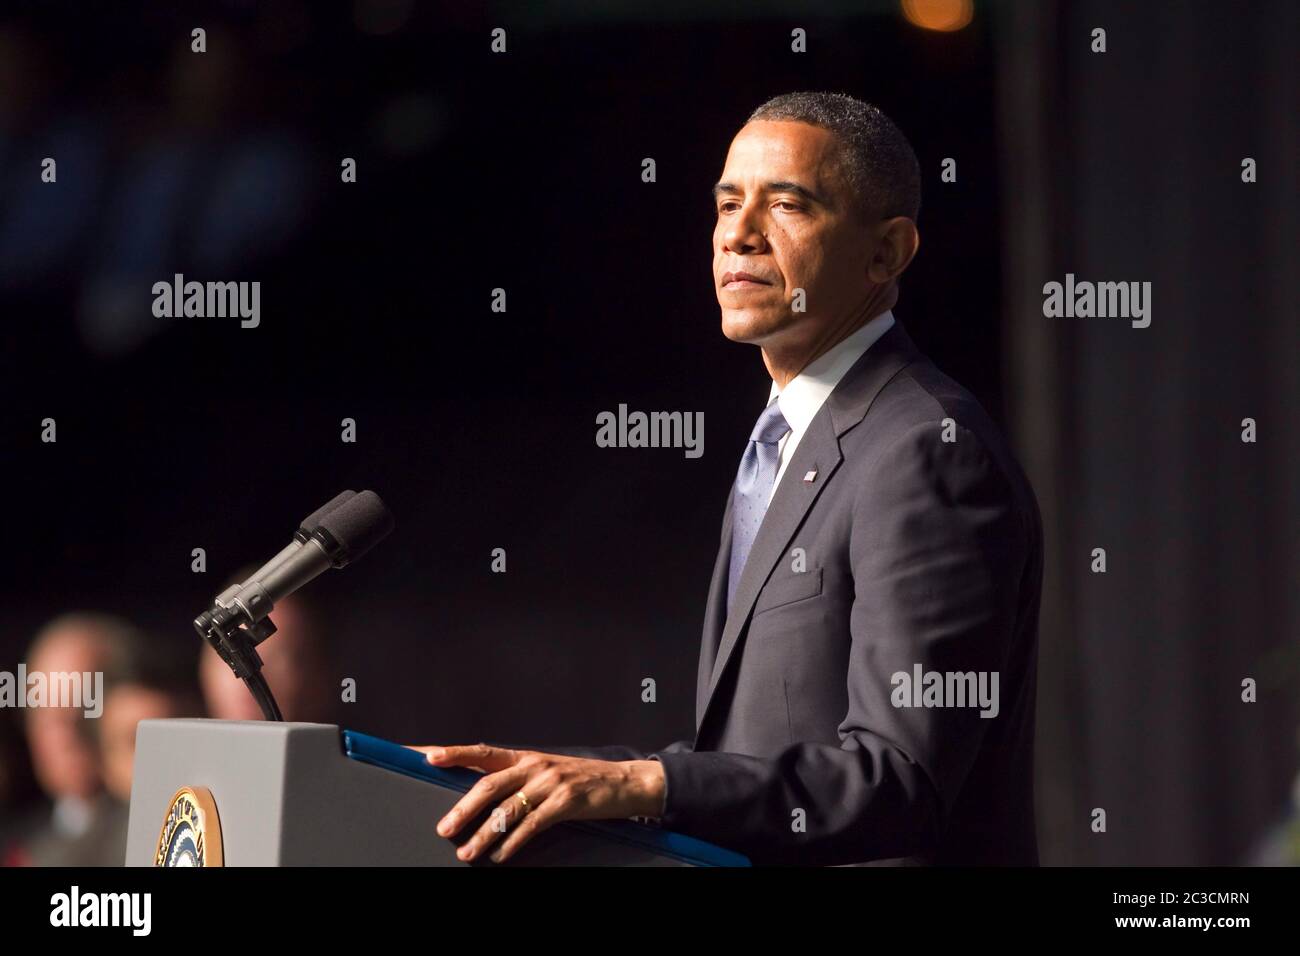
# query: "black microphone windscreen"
x,y
313,520
358,524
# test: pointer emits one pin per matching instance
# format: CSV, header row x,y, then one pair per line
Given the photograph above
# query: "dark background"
x,y
522,171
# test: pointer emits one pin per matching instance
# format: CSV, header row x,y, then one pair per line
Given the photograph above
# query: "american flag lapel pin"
x,y
811,476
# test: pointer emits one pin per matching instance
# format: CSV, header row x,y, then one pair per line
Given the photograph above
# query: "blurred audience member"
x,y
82,763
67,830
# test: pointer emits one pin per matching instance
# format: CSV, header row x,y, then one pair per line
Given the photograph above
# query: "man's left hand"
x,y
557,788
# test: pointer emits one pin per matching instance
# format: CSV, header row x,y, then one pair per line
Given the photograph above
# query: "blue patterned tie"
x,y
754,482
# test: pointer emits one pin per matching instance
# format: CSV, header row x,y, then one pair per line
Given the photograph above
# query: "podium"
x,y
259,793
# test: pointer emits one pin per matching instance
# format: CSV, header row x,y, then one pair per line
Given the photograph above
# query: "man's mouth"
x,y
742,280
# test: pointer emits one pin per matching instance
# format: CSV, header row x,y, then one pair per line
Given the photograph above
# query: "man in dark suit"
x,y
866,681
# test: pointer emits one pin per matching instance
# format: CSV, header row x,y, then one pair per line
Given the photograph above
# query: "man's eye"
x,y
789,206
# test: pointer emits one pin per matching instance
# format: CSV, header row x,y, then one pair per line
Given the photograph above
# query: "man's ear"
x,y
896,243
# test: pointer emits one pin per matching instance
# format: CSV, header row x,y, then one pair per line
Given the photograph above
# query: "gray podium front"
x,y
292,794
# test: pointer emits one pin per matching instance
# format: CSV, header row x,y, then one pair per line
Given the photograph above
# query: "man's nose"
x,y
743,233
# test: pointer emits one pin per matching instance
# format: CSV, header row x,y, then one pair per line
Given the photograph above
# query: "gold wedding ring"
x,y
524,801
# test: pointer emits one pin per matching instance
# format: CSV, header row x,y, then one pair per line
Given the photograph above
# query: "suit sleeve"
x,y
937,547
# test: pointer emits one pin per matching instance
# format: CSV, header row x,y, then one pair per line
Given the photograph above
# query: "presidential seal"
x,y
191,833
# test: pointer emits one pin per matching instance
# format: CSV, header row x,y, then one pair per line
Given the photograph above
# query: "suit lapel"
x,y
819,451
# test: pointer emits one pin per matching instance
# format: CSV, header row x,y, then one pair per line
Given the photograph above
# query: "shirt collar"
x,y
804,394
72,816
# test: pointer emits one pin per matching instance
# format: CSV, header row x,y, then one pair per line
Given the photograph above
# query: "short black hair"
x,y
875,157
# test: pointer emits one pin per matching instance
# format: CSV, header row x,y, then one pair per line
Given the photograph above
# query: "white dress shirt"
x,y
804,394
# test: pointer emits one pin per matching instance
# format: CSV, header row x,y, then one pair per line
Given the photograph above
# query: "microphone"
x,y
300,537
332,536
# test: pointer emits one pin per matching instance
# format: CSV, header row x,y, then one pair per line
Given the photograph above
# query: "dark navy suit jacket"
x,y
922,545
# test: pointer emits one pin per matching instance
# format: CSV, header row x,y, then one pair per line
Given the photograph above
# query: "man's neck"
x,y
784,365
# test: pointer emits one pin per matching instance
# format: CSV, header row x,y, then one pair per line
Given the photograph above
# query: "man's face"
x,y
785,217
64,756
